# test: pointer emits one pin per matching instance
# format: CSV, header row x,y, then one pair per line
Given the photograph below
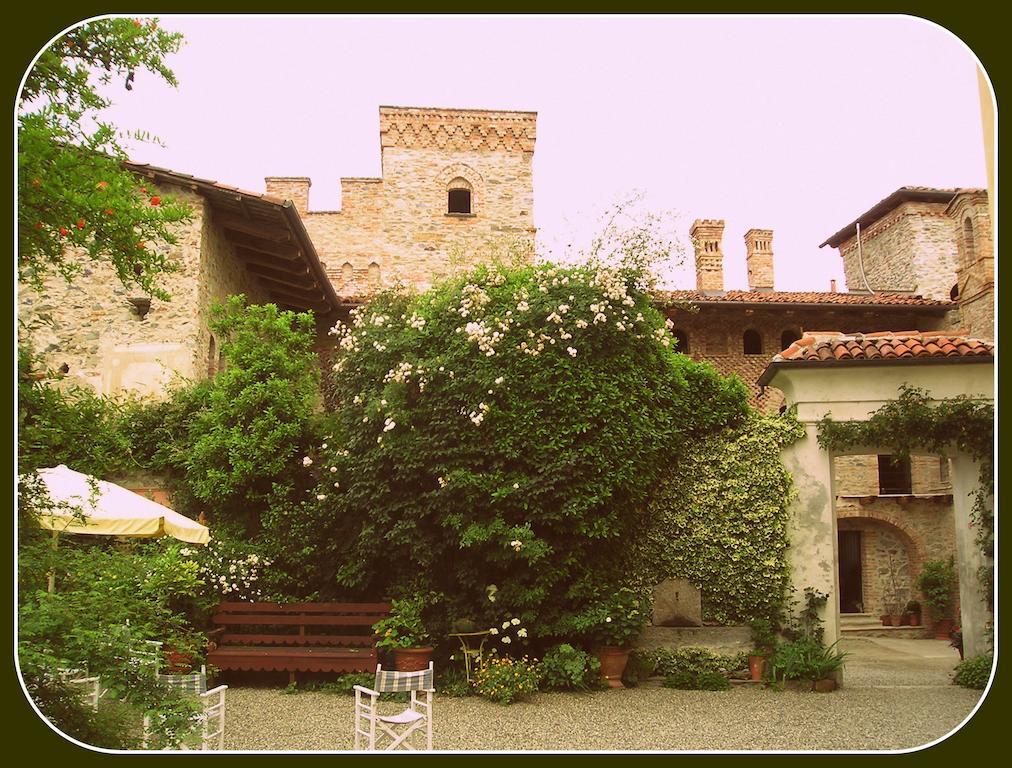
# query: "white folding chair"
x,y
212,716
398,728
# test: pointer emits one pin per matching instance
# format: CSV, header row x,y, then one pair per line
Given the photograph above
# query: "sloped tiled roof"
x,y
805,297
897,347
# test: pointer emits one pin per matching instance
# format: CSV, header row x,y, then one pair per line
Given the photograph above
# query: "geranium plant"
x,y
403,628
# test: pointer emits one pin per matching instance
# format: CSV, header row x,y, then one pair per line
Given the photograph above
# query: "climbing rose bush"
x,y
503,428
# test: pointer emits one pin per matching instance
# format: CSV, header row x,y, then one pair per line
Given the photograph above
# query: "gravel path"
x,y
892,700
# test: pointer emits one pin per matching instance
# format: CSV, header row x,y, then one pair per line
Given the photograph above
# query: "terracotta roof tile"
x,y
819,346
802,297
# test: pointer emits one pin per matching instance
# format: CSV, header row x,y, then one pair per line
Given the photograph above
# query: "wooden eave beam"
x,y
306,284
262,232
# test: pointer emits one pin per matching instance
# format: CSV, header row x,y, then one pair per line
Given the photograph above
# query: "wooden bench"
x,y
296,637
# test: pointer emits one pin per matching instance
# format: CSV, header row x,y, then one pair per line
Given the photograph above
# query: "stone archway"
x,y
890,560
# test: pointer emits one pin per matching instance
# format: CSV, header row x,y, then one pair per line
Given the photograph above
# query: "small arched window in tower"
x,y
788,337
347,273
374,275
752,342
458,196
681,340
954,291
212,357
969,247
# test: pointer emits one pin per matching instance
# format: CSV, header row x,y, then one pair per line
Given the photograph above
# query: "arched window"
x,y
374,275
752,342
458,196
347,273
788,337
212,357
681,340
954,291
969,246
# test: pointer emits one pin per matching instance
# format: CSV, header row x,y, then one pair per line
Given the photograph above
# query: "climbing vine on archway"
x,y
914,421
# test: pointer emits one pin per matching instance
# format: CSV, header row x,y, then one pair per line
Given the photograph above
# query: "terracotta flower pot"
x,y
613,660
895,620
412,659
915,619
756,664
942,629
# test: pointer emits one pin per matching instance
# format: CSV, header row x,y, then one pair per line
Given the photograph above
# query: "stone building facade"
x,y
98,333
931,242
454,181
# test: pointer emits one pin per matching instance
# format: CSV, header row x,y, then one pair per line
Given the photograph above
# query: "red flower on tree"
x,y
80,223
64,231
156,200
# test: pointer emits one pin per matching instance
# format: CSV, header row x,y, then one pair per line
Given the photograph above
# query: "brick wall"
x,y
716,332
858,475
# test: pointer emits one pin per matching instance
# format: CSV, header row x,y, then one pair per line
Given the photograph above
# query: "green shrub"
x,y
247,445
565,668
476,441
805,659
504,680
973,672
694,661
703,680
452,681
113,726
719,519
639,668
936,582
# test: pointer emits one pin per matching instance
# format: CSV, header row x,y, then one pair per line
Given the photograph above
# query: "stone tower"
x,y
759,259
706,236
454,182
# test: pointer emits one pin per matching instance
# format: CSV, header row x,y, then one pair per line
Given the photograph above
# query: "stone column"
x,y
974,615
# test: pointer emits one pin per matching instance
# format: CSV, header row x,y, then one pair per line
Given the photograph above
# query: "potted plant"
x,y
912,613
764,640
404,633
936,583
611,625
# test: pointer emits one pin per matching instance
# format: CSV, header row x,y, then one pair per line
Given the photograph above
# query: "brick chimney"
x,y
759,259
294,188
706,235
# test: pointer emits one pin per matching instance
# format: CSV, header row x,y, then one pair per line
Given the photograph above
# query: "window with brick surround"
x,y
752,342
374,275
682,339
893,475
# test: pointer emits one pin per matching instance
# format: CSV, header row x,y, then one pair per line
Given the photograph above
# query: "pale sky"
x,y
796,124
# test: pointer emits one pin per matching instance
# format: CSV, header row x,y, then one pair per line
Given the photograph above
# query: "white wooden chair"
x,y
89,687
371,726
212,716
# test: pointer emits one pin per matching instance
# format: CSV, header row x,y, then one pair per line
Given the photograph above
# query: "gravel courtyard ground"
x,y
897,695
